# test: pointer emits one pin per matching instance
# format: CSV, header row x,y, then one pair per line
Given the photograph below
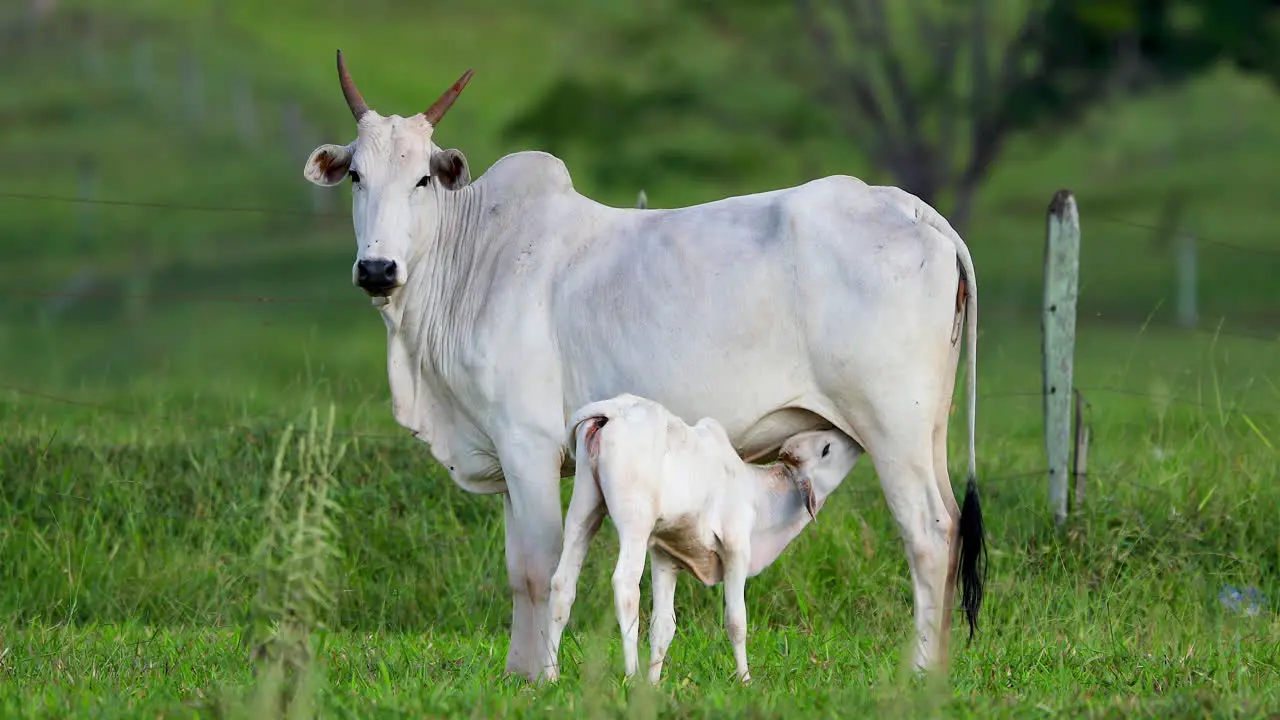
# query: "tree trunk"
x,y
912,174
962,205
961,208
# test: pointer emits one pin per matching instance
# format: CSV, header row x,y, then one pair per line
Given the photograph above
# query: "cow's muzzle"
x,y
376,276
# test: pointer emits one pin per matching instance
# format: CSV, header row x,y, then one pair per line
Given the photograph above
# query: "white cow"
x,y
512,300
681,494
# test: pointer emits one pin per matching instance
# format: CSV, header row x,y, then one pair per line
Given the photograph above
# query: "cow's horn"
x,y
349,90
438,108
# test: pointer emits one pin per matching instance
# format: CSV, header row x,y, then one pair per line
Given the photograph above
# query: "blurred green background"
x,y
154,340
1154,126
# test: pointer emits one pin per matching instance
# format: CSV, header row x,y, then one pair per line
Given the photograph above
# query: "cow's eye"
x,y
423,182
826,449
355,176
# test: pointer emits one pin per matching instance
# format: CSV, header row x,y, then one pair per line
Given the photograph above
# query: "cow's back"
x,y
722,309
661,301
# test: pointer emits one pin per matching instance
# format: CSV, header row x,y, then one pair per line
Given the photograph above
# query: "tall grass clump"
x,y
294,560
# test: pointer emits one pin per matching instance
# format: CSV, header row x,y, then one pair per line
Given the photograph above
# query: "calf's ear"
x,y
805,486
449,167
328,165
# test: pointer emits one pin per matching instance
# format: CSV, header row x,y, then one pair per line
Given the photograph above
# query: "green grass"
x,y
128,570
137,436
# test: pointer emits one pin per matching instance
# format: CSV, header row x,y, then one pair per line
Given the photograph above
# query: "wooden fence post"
x,y
193,86
300,138
93,55
1061,282
143,67
246,110
1185,248
86,189
40,9
86,229
1080,461
292,125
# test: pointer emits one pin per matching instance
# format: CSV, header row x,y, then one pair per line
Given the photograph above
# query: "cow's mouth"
x,y
379,292
380,296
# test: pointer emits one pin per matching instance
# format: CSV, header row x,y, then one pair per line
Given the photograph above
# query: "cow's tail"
x,y
973,544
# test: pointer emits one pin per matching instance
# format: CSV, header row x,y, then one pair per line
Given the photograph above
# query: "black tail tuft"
x,y
973,555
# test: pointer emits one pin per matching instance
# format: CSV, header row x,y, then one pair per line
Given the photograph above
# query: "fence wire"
x,y
1210,239
151,417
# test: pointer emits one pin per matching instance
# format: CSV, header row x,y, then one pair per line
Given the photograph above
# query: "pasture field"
x,y
141,559
130,565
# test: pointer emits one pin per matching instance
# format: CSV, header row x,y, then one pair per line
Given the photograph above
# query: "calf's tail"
x,y
602,410
583,430
585,446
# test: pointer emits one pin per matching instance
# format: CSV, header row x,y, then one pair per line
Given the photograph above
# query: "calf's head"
x,y
396,173
817,462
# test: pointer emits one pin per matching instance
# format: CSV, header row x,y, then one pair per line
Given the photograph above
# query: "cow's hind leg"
x,y
904,461
943,477
533,543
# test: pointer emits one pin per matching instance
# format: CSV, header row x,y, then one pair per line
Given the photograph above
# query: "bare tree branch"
x,y
901,92
913,156
943,43
991,120
896,109
910,107
850,88
981,71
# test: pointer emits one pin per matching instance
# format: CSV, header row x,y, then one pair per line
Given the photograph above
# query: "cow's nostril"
x,y
376,274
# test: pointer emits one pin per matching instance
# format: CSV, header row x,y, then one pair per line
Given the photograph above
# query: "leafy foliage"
x,y
933,104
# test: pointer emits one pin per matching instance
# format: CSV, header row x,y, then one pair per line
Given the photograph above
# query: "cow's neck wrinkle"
x,y
438,303
432,317
459,250
432,322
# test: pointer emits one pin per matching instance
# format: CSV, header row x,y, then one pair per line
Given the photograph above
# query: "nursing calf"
x,y
682,494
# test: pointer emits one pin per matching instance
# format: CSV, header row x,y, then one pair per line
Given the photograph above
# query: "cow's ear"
x,y
450,168
328,164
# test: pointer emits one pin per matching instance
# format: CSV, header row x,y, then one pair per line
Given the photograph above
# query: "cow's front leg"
x,y
534,540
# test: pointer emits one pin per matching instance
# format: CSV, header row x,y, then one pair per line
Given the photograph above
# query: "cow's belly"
x,y
761,392
767,334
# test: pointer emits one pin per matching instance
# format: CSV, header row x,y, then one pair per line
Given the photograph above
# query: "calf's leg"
x,y
632,542
735,606
582,521
663,574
